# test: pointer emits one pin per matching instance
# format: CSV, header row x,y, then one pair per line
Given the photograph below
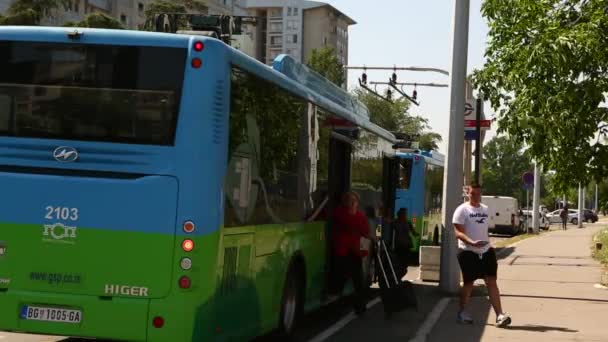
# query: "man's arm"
x,y
459,230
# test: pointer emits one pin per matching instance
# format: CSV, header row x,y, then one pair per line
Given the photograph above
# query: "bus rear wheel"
x,y
291,304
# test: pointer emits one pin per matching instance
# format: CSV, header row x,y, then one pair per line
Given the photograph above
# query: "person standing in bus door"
x,y
348,226
564,216
403,240
476,256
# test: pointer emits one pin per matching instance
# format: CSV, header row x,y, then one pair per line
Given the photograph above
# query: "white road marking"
x,y
341,324
430,320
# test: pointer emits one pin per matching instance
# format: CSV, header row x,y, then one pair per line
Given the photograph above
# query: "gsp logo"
x,y
59,232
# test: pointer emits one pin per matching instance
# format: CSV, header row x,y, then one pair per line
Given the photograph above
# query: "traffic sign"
x,y
470,135
468,109
482,123
528,178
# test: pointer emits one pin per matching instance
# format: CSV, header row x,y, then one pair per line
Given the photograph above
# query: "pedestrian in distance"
x,y
476,256
564,216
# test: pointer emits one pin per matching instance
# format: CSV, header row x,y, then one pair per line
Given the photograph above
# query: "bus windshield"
x,y
90,92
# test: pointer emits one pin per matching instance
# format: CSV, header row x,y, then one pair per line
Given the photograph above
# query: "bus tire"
x,y
291,302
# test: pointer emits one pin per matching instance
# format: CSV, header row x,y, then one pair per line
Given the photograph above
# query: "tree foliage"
x,y
394,116
173,9
97,20
504,163
325,62
30,12
546,74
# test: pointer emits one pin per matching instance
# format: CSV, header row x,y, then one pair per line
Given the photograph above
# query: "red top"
x,y
347,230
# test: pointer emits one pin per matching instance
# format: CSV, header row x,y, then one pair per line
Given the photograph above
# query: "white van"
x,y
504,215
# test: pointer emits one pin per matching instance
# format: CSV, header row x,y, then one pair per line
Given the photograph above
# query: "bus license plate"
x,y
37,313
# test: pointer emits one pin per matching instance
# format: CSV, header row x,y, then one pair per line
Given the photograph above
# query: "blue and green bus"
x,y
163,187
420,191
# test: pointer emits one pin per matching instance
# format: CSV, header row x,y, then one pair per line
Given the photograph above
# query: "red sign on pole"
x,y
482,123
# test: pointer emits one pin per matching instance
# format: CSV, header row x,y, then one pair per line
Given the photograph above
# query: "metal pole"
x,y
449,280
536,200
580,205
479,108
595,206
467,161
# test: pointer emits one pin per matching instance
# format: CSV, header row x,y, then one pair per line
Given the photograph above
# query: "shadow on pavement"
x,y
504,252
539,328
448,329
402,326
558,298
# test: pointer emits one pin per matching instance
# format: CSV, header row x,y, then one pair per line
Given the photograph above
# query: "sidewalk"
x,y
547,285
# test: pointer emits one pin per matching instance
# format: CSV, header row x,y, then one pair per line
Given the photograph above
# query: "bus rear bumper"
x,y
108,318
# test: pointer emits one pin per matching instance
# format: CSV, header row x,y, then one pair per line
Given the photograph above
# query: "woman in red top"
x,y
349,225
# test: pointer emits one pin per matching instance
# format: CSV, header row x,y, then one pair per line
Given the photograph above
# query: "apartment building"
x,y
325,26
131,13
296,27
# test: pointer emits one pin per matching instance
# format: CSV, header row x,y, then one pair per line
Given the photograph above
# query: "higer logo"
x,y
135,291
59,232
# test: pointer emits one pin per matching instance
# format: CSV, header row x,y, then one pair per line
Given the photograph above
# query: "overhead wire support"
x,y
418,69
436,85
411,99
364,86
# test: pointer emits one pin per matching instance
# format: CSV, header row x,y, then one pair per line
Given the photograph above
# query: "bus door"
x,y
340,156
390,180
339,170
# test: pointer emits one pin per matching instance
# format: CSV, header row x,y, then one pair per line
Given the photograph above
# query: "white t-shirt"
x,y
475,222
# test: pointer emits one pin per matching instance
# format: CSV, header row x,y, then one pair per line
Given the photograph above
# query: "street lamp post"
x,y
452,179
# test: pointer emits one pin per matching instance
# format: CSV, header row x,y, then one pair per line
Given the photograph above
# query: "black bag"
x,y
396,295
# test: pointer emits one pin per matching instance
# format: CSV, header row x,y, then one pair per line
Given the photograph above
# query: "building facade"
x,y
130,13
325,26
296,27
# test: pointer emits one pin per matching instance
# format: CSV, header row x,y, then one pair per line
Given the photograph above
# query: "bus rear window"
x,y
125,94
405,173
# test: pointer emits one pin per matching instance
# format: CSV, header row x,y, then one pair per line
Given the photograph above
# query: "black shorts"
x,y
473,267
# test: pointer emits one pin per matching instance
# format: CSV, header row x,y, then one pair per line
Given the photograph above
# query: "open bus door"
x,y
390,180
340,157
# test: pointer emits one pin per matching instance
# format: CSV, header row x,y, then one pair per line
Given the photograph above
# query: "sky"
x,y
412,33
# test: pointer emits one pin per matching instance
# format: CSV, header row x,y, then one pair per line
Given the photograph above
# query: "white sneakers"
x,y
464,318
502,320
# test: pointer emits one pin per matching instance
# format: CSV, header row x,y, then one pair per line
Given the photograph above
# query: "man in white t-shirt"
x,y
476,256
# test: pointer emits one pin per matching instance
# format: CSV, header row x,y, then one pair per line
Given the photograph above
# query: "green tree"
x,y
394,117
173,9
504,162
30,12
325,62
97,20
545,74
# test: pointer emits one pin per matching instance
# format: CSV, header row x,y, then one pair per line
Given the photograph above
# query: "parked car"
x,y
589,216
554,217
527,217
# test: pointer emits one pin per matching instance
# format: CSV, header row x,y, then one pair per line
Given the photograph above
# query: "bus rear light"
x,y
158,322
189,227
187,245
197,63
199,46
186,264
184,282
